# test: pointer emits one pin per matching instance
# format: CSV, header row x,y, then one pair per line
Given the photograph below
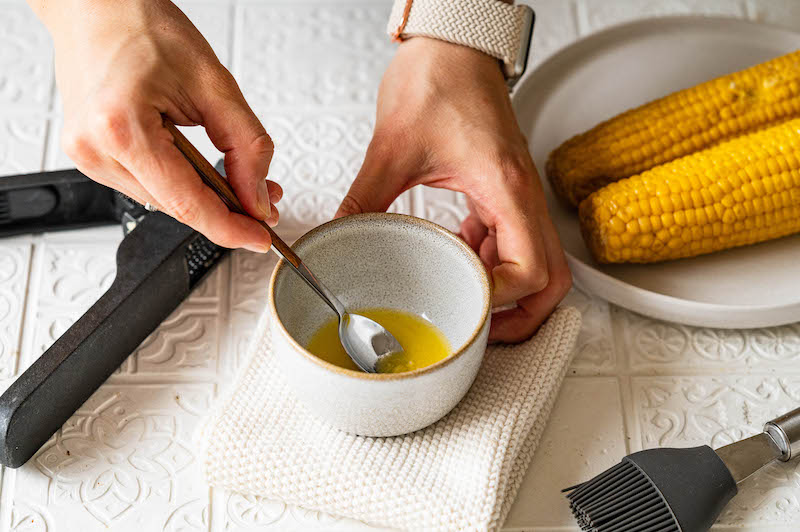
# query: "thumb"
x,y
375,187
236,131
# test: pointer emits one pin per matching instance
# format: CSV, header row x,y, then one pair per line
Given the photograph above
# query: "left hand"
x,y
445,120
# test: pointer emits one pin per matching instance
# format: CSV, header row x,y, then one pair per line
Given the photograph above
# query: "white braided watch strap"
x,y
491,26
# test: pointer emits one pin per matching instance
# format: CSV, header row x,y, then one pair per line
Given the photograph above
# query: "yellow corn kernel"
x,y
676,125
762,202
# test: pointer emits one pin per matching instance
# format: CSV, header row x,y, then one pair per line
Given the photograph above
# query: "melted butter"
x,y
422,342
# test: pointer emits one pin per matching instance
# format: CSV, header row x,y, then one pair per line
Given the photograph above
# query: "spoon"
x,y
364,340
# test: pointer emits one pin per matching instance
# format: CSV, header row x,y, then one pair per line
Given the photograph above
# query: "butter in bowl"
x,y
421,282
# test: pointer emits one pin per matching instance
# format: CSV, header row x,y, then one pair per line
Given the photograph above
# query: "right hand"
x,y
118,69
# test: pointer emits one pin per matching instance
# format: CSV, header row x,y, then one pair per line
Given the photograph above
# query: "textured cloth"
x,y
460,473
491,26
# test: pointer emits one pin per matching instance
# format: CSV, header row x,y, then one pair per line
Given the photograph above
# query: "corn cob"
x,y
740,192
676,125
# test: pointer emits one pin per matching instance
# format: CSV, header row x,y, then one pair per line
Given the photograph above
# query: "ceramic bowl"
x,y
389,261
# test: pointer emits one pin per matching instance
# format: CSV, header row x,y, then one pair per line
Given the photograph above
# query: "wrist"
x,y
75,21
434,55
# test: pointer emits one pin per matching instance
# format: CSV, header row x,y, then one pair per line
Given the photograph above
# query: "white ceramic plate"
x,y
623,67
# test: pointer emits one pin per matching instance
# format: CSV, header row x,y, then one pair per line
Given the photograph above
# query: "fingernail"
x,y
274,198
262,199
257,248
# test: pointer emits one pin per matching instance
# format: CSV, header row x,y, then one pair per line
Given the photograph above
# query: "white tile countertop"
x,y
310,70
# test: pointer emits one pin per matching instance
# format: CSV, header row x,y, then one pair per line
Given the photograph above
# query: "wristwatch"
x,y
494,27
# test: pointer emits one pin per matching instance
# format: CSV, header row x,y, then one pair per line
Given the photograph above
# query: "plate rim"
x,y
646,301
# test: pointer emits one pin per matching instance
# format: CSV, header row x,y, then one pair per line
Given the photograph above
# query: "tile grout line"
x,y
622,370
231,33
7,486
581,17
27,337
210,511
235,43
750,10
23,312
48,130
223,312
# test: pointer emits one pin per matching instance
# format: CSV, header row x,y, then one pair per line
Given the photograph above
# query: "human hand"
x,y
445,120
118,69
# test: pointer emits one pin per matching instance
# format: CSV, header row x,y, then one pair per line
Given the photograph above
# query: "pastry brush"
x,y
679,490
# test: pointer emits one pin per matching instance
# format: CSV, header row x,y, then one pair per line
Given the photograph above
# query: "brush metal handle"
x,y
785,430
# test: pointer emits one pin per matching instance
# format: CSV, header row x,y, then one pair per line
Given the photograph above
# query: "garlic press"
x,y
159,262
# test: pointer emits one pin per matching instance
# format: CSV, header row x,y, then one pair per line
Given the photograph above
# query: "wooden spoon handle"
x,y
220,185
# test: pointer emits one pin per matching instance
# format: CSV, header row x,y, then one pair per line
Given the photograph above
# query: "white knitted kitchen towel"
x,y
461,473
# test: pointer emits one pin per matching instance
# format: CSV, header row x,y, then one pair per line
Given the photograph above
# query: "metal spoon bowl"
x,y
364,340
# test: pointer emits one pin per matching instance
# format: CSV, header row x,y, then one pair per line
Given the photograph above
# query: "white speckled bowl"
x,y
390,261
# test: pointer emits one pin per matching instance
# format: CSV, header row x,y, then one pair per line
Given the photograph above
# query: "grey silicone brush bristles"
x,y
657,490
679,490
621,499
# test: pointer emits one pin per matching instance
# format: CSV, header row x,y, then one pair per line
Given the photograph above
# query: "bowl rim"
x,y
405,218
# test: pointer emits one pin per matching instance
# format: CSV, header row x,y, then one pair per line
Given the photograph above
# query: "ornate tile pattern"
x,y
310,70
658,347
14,267
715,411
26,58
22,139
594,352
126,452
311,53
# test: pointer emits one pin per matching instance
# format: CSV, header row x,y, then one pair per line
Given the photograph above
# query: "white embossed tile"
x,y
653,346
597,14
594,349
75,274
66,279
311,53
212,286
186,344
444,207
213,20
247,513
14,267
56,158
317,156
123,461
715,411
584,437
250,273
26,58
22,139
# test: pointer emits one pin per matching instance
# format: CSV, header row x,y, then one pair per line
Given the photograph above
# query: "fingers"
x,y
275,191
377,184
146,150
518,324
236,131
103,169
511,231
510,204
523,264
473,231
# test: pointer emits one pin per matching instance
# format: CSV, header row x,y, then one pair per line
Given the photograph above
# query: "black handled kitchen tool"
x,y
679,490
159,262
54,201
